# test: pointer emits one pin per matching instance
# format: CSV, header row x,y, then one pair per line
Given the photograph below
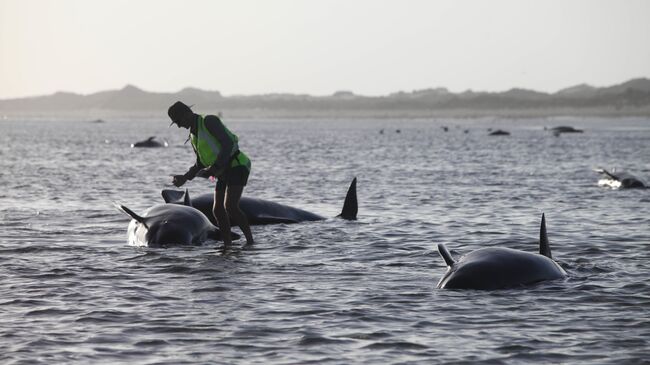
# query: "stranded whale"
x,y
500,268
168,225
620,179
261,211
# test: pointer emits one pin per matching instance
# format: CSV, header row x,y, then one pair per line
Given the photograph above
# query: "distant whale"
x,y
564,129
149,142
620,179
499,132
500,268
259,211
170,225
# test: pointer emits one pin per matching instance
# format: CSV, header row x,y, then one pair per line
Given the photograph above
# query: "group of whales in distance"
x,y
557,131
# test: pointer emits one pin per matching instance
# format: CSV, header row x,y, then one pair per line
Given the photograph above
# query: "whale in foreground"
x,y
500,268
620,179
260,211
150,143
166,225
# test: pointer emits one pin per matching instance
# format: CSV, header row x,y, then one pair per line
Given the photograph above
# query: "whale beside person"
x,y
260,211
500,268
166,225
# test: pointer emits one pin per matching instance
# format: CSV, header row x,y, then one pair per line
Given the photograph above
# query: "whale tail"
x,y
130,213
609,174
444,253
350,206
544,247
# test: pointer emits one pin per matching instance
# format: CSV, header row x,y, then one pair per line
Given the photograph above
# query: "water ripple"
x,y
327,292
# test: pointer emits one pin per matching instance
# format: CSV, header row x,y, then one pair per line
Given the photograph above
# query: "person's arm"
x,y
194,169
179,180
217,129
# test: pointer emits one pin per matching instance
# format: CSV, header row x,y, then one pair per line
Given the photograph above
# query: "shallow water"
x,y
334,291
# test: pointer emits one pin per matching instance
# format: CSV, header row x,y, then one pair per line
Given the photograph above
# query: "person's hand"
x,y
179,180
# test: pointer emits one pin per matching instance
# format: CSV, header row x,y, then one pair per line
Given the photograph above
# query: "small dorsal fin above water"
x,y
186,199
350,206
150,139
172,196
444,253
544,247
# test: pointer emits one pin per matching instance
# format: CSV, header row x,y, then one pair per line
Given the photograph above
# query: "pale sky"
x,y
318,47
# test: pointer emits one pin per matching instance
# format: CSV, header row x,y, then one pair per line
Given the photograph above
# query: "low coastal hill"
x,y
631,98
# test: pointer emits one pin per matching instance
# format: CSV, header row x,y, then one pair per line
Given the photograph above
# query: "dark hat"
x,y
177,111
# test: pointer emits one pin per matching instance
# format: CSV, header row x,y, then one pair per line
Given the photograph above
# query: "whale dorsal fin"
x,y
186,199
173,196
544,247
131,213
150,139
350,206
444,253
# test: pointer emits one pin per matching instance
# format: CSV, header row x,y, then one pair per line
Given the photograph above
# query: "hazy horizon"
x,y
370,48
289,93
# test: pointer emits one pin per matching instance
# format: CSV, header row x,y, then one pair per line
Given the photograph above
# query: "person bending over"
x,y
217,151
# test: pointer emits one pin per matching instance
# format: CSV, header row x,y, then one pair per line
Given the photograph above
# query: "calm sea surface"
x,y
330,292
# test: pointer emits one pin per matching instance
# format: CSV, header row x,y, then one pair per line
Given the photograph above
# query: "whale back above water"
x,y
557,131
620,179
260,211
500,268
169,225
149,143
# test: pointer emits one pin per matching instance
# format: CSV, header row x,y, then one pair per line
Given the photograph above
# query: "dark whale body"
x,y
499,132
500,268
620,179
261,212
170,225
149,143
564,129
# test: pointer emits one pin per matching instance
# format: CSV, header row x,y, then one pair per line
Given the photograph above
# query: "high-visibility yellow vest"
x,y
208,148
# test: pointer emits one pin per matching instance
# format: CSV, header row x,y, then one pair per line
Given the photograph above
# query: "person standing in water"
x,y
217,151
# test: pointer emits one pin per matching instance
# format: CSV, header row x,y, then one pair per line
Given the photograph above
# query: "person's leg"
x,y
236,215
219,211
